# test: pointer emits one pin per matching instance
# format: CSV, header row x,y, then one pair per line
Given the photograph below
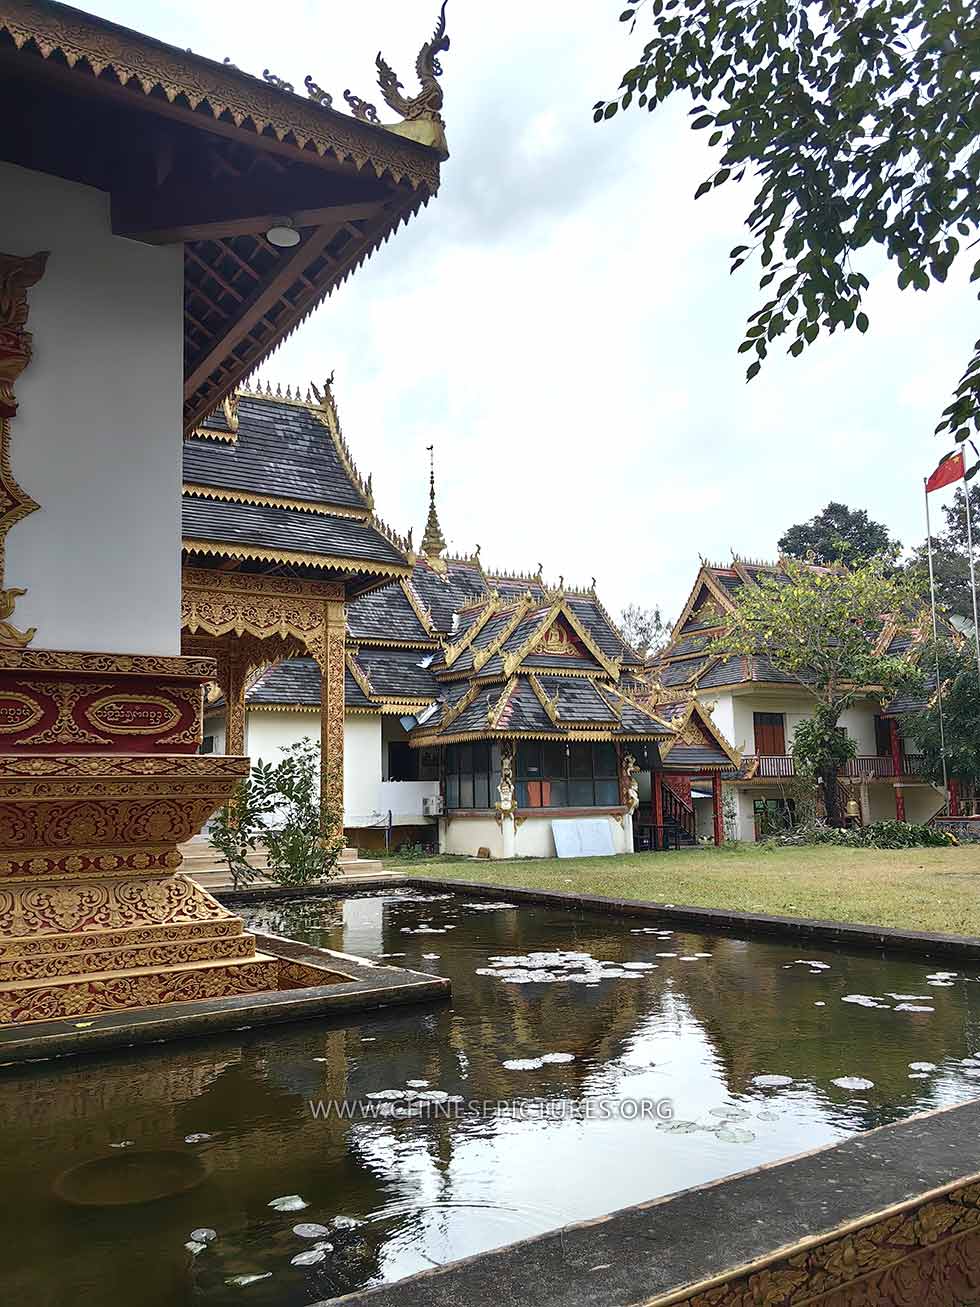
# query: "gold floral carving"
x,y
105,664
85,996
82,911
65,730
103,958
925,1254
17,275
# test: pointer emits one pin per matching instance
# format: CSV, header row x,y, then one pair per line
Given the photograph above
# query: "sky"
x,y
560,321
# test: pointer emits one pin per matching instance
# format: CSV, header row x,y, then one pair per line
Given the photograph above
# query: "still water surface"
x,y
640,1015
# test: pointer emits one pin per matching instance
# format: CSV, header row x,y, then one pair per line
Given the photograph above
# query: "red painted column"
x,y
954,798
897,764
716,809
657,797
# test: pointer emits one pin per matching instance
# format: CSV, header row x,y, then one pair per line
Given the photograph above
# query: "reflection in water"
x,y
637,1014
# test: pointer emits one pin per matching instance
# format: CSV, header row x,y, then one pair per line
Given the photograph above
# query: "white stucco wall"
x,y
97,438
733,715
533,838
362,771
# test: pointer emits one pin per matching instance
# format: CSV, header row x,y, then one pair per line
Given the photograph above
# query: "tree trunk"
x,y
831,796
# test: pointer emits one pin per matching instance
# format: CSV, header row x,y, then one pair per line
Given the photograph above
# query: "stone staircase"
x,y
206,867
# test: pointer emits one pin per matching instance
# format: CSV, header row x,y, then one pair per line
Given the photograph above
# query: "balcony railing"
x,y
780,766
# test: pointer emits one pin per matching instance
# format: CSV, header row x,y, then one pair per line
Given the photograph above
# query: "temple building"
x,y
757,707
168,220
480,708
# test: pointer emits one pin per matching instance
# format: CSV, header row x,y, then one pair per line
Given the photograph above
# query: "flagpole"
x,y
935,645
973,576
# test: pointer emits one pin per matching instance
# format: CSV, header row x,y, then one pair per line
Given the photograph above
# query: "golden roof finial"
x,y
421,114
433,541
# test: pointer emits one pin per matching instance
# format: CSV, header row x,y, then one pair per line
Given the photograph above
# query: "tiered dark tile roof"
x,y
386,615
282,450
398,673
262,527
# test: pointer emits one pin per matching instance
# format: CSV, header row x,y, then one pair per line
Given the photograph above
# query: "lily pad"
x,y
922,1066
288,1203
555,1058
523,1064
204,1235
853,1082
734,1135
772,1082
311,1257
310,1230
240,1281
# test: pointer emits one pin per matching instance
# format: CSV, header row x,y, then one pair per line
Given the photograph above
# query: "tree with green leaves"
x,y
857,124
277,807
644,629
839,534
821,625
950,558
961,717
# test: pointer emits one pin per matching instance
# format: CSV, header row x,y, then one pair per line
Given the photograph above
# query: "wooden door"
x,y
770,733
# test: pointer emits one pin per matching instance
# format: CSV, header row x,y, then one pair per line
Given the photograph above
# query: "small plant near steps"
x,y
275,817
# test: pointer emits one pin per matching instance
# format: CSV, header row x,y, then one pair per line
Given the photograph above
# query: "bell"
x,y
853,808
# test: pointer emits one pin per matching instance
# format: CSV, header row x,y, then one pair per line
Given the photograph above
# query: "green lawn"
x,y
924,889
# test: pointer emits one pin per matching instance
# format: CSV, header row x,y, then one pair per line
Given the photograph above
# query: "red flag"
x,y
950,469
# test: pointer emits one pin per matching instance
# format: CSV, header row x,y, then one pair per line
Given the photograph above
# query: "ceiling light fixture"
x,y
283,234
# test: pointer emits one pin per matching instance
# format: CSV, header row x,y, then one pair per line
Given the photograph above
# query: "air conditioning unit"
x,y
433,805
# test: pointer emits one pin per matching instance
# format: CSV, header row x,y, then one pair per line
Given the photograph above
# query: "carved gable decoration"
x,y
694,734
559,640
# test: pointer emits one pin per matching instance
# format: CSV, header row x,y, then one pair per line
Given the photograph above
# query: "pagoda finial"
x,y
433,541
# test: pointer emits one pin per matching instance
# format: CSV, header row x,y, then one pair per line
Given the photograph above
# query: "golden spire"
x,y
433,542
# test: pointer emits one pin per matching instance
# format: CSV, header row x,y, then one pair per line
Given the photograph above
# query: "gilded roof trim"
x,y
419,608
213,91
289,557
272,501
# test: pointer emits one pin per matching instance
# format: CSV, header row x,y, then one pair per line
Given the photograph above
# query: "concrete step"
x,y
66,997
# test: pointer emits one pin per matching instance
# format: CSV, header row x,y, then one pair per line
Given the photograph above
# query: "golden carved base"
x,y
88,995
94,916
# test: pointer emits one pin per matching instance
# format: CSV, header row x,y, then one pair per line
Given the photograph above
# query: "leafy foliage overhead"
x,y
838,534
859,123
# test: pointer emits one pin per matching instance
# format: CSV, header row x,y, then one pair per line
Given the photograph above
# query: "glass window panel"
x,y
465,758
481,790
529,760
606,793
481,757
559,794
580,794
495,757
521,791
604,757
466,791
553,760
452,791
494,788
580,761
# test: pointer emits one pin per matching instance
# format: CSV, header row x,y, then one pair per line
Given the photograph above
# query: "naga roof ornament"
x,y
421,113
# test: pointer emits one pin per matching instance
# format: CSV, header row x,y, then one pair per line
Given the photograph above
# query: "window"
x,y
883,736
207,744
472,775
770,733
556,775
403,761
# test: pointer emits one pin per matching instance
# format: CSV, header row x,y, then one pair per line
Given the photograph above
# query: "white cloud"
x,y
561,323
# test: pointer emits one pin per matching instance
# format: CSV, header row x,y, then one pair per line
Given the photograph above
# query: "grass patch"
x,y
914,889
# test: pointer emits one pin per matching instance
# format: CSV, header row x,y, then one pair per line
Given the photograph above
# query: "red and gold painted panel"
x,y
81,712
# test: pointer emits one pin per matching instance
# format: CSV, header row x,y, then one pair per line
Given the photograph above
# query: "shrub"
x,y
279,806
877,835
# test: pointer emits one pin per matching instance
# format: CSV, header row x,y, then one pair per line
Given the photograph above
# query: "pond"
x,y
584,1063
